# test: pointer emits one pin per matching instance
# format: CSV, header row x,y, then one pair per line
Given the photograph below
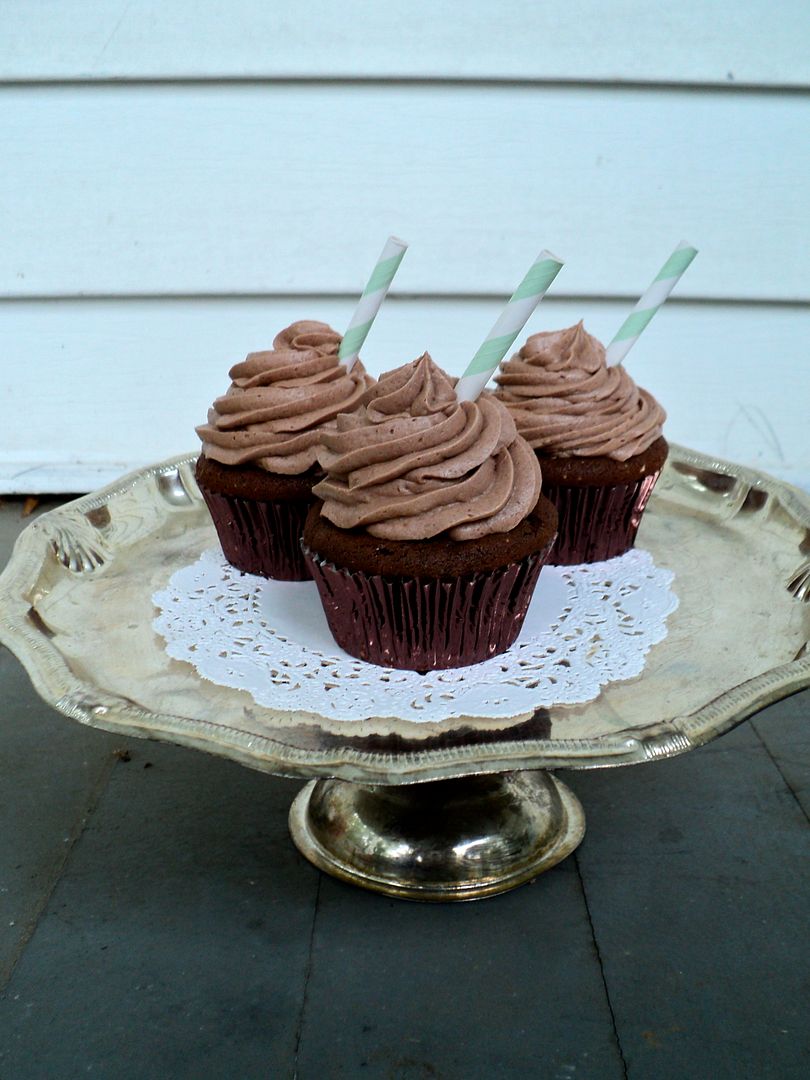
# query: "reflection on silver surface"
x,y
799,584
76,610
171,485
461,839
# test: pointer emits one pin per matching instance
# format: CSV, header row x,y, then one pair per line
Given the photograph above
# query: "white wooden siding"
x,y
98,387
182,179
754,42
289,189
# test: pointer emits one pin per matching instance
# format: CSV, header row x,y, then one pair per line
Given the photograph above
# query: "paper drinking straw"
x,y
373,296
514,317
668,277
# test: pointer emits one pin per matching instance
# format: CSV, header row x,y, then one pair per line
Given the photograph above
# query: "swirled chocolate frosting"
x,y
566,401
413,462
281,402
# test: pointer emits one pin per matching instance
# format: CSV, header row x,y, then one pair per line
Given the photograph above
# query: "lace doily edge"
x,y
409,728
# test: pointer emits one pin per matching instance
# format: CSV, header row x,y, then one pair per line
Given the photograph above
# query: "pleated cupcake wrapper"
x,y
261,537
597,522
424,624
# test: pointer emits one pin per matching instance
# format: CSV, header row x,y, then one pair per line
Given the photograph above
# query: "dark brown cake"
x,y
248,482
582,417
259,517
599,502
261,443
586,471
437,557
427,604
432,530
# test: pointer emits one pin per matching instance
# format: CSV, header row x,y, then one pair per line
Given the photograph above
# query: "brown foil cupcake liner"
x,y
597,522
260,537
424,624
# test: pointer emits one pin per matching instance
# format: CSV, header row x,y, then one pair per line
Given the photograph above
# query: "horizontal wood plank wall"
x,y
100,387
721,42
182,179
289,189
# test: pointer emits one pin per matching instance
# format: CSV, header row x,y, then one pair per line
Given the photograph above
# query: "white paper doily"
x,y
587,626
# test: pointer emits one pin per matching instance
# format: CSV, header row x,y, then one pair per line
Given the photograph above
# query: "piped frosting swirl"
x,y
414,463
281,402
566,401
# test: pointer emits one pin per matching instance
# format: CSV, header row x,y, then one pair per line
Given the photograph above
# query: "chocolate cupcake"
x,y
432,531
260,448
597,435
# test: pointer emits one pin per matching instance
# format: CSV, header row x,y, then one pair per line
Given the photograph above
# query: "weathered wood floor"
x,y
156,921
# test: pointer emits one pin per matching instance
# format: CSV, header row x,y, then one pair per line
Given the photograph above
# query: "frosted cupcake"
x,y
261,444
431,533
598,437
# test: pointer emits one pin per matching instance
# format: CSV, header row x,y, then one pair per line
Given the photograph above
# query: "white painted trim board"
x,y
93,388
721,43
244,190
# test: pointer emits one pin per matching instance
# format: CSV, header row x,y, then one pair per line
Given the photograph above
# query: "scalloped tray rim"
x,y
59,687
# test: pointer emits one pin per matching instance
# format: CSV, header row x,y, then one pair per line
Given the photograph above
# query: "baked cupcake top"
x,y
281,402
566,401
414,463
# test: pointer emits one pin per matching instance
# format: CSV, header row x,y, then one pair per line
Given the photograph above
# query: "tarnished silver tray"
x,y
76,609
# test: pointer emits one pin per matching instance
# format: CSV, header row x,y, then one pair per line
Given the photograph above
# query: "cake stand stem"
x,y
460,839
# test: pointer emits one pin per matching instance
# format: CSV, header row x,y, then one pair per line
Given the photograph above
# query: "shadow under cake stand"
x,y
456,811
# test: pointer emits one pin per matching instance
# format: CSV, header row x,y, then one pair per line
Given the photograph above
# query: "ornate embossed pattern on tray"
x,y
76,609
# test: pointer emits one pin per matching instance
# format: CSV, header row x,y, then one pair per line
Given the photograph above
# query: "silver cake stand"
x,y
453,811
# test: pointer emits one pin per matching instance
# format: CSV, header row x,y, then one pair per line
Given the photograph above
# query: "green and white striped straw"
x,y
371,300
668,277
514,317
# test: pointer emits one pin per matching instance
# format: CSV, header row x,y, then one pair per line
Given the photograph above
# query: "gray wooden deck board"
x,y
785,732
176,943
183,936
50,775
697,876
506,988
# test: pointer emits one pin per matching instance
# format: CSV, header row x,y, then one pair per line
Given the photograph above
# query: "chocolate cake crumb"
x,y
439,556
576,471
250,482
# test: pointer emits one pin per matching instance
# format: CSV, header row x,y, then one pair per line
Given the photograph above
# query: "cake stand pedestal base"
x,y
460,839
